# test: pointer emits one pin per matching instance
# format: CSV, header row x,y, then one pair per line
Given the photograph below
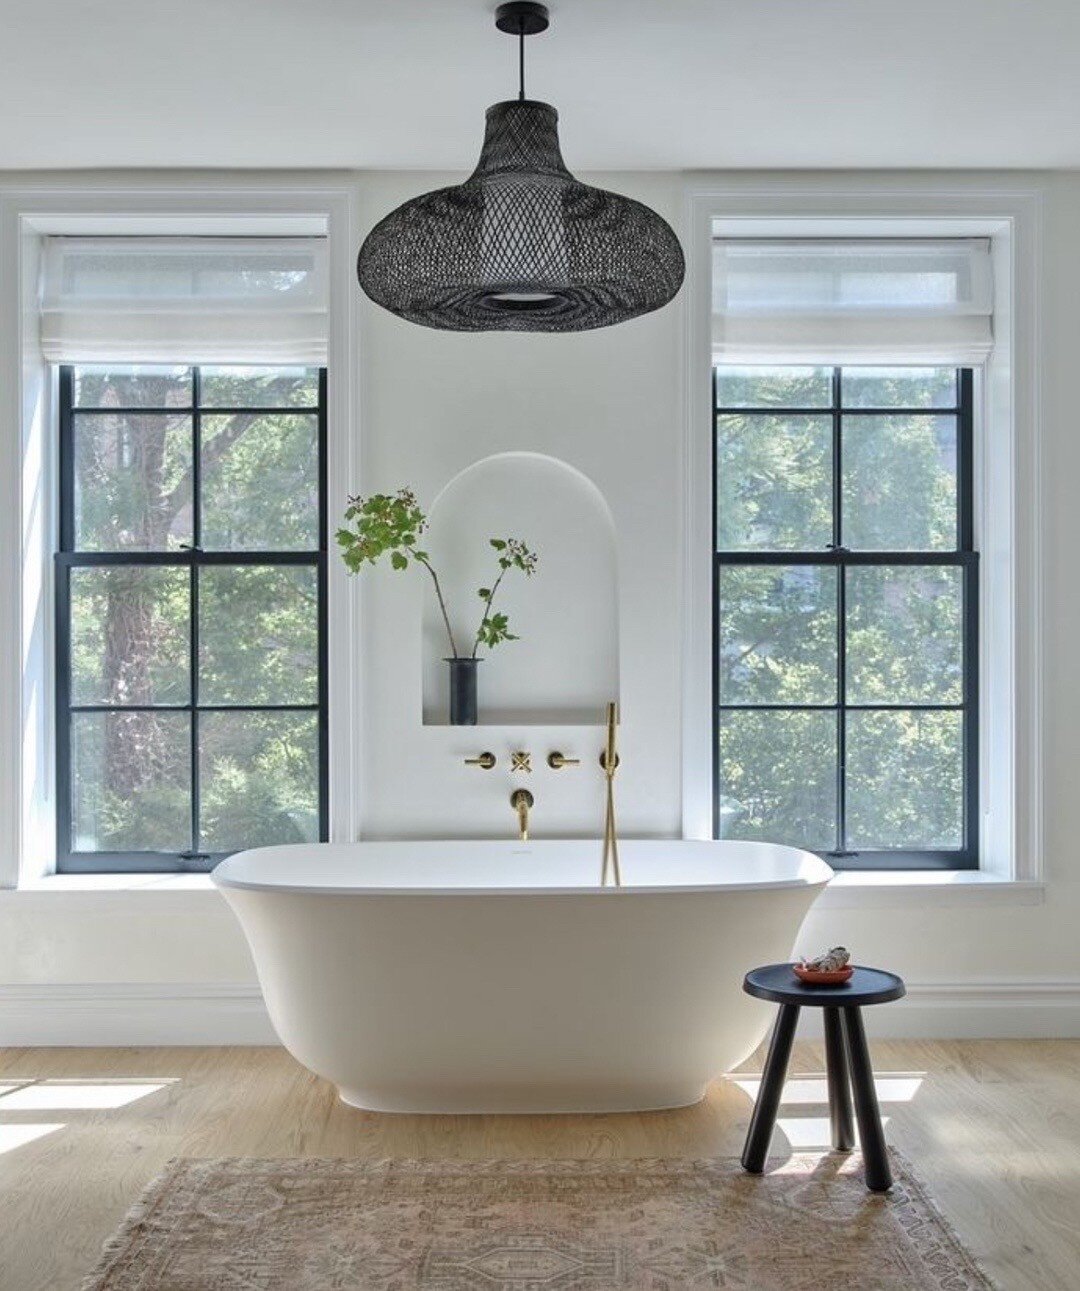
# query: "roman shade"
x,y
184,300
852,301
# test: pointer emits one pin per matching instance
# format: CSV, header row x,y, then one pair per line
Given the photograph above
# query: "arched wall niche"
x,y
565,666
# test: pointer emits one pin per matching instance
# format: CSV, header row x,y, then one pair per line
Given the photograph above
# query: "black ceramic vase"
x,y
463,691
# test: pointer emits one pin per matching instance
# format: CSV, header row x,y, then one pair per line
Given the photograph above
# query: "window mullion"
x,y
193,706
965,443
841,615
62,618
841,710
196,457
970,629
837,465
193,665
322,577
965,473
67,458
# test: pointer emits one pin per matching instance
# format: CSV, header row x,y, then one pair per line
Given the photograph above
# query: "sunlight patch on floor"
x,y
809,1131
833,1163
54,1095
893,1087
17,1136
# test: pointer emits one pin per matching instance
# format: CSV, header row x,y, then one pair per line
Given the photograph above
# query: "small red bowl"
x,y
815,977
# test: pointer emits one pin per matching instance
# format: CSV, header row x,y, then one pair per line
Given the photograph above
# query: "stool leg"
x,y
875,1157
763,1120
836,1065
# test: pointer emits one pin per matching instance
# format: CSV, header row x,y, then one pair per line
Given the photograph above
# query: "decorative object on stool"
x,y
392,524
574,1225
522,245
847,1061
830,969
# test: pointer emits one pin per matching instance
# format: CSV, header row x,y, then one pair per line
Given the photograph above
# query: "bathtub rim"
x,y
812,872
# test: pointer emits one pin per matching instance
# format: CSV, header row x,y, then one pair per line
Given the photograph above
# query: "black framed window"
x,y
846,613
190,614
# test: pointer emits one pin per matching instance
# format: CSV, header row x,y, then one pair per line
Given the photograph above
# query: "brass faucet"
x,y
521,800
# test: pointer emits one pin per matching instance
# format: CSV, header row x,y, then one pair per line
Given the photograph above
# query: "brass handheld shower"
x,y
609,761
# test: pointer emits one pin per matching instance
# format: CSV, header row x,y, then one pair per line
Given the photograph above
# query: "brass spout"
x,y
521,800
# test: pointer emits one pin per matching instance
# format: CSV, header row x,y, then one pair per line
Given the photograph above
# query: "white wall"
x,y
606,402
611,404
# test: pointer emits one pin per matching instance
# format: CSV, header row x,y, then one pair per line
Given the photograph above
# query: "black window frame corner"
x,y
192,557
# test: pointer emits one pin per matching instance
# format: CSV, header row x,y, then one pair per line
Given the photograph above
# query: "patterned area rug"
x,y
328,1225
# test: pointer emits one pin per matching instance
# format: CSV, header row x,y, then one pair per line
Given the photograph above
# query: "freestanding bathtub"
x,y
498,977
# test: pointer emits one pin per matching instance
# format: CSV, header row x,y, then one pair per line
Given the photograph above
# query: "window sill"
x,y
115,893
927,888
848,890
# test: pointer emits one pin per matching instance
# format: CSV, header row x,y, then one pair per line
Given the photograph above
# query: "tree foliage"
x,y
778,624
135,476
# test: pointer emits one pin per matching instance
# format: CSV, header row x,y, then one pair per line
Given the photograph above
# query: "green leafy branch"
x,y
512,554
391,524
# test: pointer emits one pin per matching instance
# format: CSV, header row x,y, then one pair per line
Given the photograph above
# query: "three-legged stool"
x,y
847,1061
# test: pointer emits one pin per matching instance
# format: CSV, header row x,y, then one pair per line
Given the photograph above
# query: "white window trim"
x,y
1008,488
277,205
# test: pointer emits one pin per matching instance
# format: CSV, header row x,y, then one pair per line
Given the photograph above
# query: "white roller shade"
x,y
184,300
852,301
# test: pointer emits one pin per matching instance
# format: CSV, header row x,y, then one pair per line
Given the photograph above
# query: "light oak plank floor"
x,y
993,1127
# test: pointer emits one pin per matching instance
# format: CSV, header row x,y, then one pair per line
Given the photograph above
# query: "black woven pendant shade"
x,y
521,245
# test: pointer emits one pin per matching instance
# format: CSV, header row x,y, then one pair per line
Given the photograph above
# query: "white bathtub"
x,y
497,977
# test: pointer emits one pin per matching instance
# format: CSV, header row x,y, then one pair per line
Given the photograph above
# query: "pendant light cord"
x,y
521,60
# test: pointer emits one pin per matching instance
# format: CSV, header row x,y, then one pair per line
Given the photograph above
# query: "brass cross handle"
x,y
485,760
556,761
521,761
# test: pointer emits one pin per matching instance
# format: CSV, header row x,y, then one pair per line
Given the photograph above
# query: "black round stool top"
x,y
778,983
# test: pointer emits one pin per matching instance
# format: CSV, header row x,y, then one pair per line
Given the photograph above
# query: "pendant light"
x,y
522,245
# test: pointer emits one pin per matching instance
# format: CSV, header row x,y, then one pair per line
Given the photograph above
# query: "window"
x,y
191,614
845,613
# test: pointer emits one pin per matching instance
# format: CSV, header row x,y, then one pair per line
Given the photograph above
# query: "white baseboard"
x,y
234,1014
1028,1009
151,1013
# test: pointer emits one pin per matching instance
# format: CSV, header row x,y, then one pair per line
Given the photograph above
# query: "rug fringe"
x,y
912,1179
138,1213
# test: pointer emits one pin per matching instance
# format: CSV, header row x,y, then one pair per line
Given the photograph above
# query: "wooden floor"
x,y
992,1126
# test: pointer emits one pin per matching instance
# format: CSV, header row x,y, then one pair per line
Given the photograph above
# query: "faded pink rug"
x,y
336,1225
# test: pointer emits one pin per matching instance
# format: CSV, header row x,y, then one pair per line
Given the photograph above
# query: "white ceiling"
x,y
639,83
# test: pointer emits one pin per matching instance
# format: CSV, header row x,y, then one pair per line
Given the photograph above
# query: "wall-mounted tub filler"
x,y
522,801
500,977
